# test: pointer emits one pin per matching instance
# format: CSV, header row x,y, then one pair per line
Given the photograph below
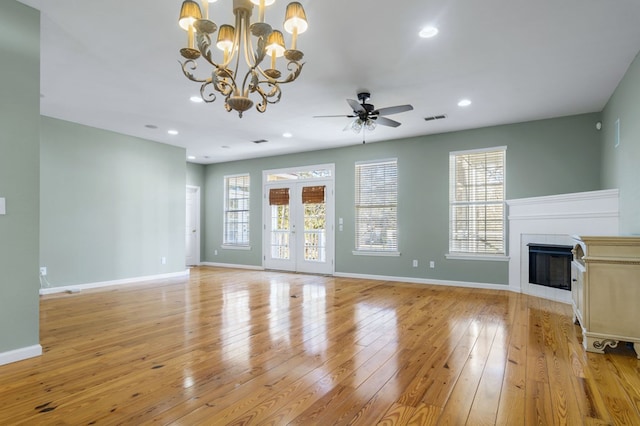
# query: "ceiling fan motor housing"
x,y
369,109
363,96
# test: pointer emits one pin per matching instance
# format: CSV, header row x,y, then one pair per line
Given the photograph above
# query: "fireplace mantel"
x,y
552,220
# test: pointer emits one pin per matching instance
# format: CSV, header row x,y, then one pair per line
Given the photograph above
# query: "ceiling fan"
x,y
366,116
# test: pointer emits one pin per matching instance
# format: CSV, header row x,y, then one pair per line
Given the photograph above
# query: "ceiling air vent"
x,y
261,141
436,117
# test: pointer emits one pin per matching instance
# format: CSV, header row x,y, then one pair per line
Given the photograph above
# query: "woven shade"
x,y
279,197
313,194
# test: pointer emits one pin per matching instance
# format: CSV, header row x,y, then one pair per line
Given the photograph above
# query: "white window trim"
x,y
235,247
479,150
225,245
376,253
266,173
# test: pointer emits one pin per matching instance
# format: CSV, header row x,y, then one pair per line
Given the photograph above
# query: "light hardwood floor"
x,y
250,347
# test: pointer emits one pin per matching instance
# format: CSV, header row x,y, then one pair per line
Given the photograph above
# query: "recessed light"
x,y
287,135
172,132
196,99
150,126
464,103
191,157
428,32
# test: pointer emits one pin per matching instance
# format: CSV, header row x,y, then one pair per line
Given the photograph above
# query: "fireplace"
x,y
550,265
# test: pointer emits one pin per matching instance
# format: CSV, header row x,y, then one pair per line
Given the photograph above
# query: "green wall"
x,y
620,165
195,174
19,161
543,158
111,205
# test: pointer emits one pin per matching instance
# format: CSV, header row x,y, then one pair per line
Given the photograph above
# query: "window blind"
x,y
476,198
376,202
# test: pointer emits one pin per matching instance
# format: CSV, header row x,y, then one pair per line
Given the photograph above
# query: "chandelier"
x,y
239,73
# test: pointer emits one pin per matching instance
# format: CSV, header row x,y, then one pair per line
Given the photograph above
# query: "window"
x,y
376,207
476,200
236,210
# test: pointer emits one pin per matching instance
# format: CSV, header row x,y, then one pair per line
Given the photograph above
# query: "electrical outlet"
x,y
43,270
163,260
415,263
215,252
432,264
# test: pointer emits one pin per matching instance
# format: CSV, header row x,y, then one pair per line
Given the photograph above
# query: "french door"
x,y
299,226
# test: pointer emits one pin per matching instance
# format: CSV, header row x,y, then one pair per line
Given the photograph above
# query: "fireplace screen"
x,y
550,265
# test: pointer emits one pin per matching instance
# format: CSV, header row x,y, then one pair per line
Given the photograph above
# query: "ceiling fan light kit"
x,y
231,77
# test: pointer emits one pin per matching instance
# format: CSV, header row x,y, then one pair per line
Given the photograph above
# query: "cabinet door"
x,y
577,290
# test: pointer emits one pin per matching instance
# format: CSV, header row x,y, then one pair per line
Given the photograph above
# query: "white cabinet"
x,y
605,291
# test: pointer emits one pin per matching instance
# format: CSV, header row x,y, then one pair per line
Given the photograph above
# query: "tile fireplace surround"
x,y
553,220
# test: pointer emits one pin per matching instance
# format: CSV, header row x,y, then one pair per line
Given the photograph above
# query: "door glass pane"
x,y
315,232
280,231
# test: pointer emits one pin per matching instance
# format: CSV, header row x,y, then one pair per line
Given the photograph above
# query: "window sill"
x,y
376,253
232,247
483,257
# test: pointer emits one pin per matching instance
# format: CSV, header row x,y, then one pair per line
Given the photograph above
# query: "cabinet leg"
x,y
636,346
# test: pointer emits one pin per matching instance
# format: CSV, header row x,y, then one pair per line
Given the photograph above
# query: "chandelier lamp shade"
x,y
241,70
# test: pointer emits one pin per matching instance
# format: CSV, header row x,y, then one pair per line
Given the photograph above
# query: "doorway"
x,y
192,228
299,220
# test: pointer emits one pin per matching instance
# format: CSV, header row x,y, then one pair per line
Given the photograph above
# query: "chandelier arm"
x,y
236,47
219,84
208,95
222,85
262,106
236,41
188,66
274,91
248,46
296,68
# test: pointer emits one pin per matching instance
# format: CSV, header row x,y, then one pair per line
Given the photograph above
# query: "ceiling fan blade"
x,y
394,109
355,106
387,122
331,116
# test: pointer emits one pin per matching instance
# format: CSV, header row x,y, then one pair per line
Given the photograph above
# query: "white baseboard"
x,y
384,278
20,354
232,265
78,287
430,281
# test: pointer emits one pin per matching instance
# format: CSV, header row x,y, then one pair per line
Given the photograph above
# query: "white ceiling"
x,y
114,65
